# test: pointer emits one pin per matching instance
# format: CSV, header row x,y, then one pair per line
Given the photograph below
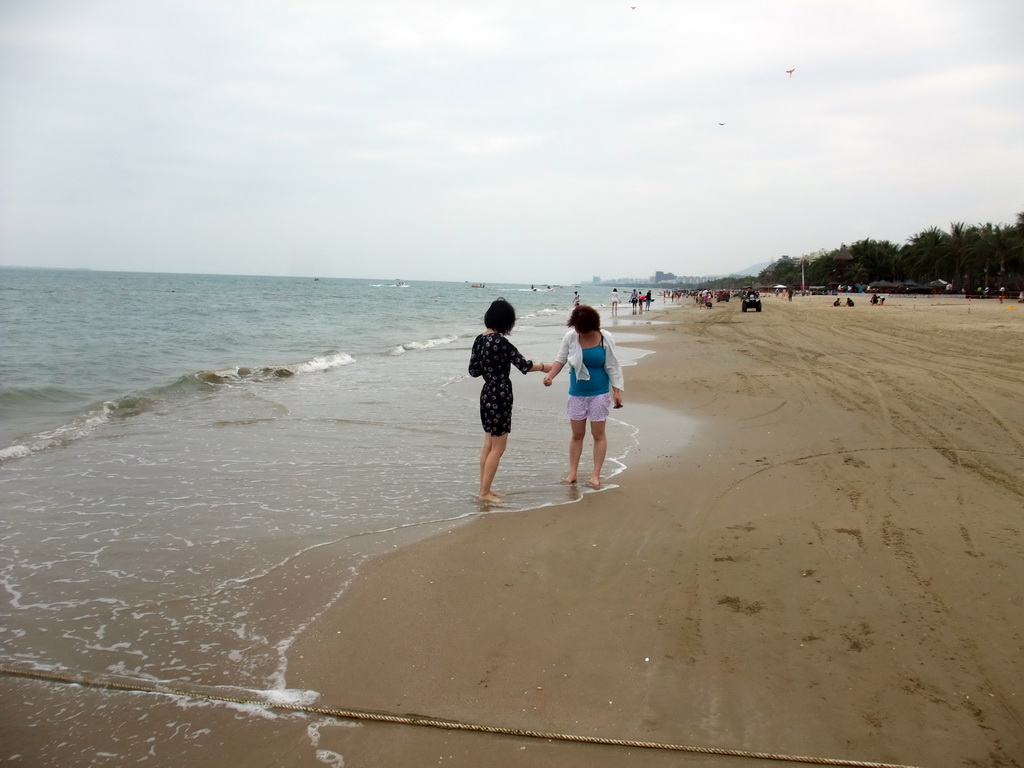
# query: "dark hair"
x,y
584,319
500,316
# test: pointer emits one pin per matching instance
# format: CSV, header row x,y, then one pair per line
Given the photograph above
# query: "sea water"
x,y
176,449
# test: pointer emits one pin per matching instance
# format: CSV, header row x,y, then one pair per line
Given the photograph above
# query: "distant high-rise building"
x,y
597,279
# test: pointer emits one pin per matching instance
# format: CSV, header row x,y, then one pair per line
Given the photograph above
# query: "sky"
x,y
498,141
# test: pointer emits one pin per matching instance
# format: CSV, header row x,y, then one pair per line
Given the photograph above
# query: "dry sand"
x,y
834,567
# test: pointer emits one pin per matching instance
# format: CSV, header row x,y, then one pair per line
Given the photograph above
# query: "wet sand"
x,y
833,568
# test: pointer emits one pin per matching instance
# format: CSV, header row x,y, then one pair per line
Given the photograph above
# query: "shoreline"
x,y
801,579
834,567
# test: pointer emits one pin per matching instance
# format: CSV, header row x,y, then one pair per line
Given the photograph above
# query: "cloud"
x,y
556,140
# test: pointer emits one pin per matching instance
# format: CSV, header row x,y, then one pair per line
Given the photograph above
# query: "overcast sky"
x,y
537,142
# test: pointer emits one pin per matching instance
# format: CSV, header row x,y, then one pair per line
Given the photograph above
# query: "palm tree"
x,y
960,247
996,244
926,256
878,258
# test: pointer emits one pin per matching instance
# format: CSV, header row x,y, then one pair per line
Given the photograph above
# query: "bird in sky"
x,y
632,7
721,123
791,71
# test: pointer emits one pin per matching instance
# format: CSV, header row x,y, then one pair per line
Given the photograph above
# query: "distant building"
x,y
663,277
597,279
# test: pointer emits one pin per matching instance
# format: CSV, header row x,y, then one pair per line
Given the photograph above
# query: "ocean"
x,y
174,449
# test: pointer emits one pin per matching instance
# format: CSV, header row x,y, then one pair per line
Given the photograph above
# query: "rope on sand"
x,y
430,722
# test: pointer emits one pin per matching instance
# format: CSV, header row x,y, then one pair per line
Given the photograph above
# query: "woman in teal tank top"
x,y
595,384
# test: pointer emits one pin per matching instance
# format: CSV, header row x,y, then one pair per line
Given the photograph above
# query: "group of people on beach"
x,y
637,299
595,387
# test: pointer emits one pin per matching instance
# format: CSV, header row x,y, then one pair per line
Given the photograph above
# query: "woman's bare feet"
x,y
569,480
594,481
490,498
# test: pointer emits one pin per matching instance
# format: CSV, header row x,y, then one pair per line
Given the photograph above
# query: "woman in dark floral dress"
x,y
492,358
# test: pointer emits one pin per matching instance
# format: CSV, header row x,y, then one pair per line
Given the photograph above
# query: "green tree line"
x,y
971,257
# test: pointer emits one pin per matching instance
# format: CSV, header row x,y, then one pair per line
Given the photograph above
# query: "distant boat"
x,y
478,285
401,284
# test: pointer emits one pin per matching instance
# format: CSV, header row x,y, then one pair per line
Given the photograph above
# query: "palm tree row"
x,y
973,258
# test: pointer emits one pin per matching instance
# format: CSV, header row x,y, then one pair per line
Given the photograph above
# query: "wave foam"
x,y
411,346
80,426
262,373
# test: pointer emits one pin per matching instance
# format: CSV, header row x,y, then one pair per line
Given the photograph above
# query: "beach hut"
x,y
912,286
883,286
841,264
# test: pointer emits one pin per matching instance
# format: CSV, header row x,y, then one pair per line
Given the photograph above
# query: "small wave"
x,y
14,452
262,373
78,427
132,405
410,346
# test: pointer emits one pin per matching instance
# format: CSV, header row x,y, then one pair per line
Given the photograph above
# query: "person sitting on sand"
x,y
493,357
593,371
849,301
835,303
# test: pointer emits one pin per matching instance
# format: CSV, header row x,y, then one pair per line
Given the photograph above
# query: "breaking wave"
x,y
98,414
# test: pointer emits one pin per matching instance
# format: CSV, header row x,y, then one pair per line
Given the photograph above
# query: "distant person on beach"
x,y
575,299
615,302
633,300
595,383
493,357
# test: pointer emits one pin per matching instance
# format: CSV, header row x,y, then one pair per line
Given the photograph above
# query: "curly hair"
x,y
500,316
584,319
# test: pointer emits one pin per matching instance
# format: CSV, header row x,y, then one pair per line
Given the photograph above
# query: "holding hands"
x,y
553,371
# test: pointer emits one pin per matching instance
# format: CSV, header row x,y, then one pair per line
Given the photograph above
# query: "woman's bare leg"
x,y
600,449
483,461
579,431
490,456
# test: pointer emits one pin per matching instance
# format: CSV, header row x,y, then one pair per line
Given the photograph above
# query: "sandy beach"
x,y
834,567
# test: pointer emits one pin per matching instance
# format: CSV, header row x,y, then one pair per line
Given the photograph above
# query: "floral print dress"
x,y
493,357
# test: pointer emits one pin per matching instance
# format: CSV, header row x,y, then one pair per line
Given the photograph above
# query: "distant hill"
x,y
752,270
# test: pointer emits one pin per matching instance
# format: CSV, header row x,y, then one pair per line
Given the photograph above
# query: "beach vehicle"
x,y
751,300
722,296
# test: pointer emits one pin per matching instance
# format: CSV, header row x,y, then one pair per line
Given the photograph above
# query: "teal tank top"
x,y
599,384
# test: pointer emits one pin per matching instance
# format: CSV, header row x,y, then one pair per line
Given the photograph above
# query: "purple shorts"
x,y
594,408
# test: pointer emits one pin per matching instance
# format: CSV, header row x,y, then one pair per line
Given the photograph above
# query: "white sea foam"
x,y
331,758
14,452
325,363
293,697
410,346
78,427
